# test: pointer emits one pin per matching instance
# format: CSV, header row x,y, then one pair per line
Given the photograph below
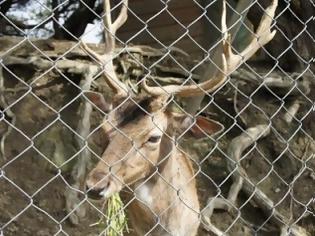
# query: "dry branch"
x,y
79,170
235,150
8,111
291,112
237,146
72,66
241,182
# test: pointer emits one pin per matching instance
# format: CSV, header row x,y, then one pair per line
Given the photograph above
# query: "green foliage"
x,y
115,221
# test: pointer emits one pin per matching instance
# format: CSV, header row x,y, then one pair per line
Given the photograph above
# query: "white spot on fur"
x,y
143,193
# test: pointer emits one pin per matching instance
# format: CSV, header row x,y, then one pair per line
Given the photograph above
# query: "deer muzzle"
x,y
100,185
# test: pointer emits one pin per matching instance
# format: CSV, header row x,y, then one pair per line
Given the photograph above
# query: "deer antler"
x,y
230,61
106,60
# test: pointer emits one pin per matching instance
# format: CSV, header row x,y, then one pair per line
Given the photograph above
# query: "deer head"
x,y
142,132
142,135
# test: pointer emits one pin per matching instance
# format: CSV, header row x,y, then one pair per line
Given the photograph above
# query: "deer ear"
x,y
204,127
199,127
98,100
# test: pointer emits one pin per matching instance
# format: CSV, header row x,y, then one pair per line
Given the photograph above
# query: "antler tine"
x,y
122,18
107,21
190,90
263,34
106,60
230,61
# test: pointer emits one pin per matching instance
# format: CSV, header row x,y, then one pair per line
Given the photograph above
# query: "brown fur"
x,y
143,156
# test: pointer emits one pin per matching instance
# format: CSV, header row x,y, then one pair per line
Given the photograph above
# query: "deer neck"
x,y
174,169
159,190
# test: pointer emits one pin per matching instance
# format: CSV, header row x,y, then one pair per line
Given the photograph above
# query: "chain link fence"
x,y
193,118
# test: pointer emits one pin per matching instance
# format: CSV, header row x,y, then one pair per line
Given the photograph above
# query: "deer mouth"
x,y
103,191
94,194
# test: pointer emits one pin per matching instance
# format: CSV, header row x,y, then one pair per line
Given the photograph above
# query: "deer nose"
x,y
95,184
95,194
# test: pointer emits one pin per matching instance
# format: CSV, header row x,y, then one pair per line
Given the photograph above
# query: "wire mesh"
x,y
232,157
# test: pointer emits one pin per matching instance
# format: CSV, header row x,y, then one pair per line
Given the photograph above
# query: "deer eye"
x,y
154,139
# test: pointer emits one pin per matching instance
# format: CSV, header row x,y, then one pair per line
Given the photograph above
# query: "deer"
x,y
143,153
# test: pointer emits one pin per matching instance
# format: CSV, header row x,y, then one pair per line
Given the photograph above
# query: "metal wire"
x,y
263,159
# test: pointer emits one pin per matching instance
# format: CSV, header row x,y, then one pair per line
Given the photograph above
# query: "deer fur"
x,y
142,155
